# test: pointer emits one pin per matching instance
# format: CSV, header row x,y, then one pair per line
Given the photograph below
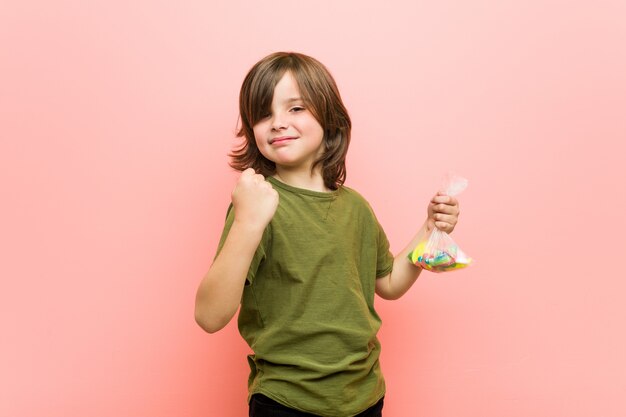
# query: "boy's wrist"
x,y
247,227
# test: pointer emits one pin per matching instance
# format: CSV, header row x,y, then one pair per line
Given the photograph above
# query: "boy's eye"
x,y
297,108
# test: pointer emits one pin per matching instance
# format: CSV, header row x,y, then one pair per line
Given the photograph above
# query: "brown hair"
x,y
319,93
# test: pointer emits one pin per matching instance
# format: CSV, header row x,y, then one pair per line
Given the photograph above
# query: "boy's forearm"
x,y
219,293
404,273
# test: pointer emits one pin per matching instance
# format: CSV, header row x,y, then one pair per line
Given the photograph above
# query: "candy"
x,y
439,260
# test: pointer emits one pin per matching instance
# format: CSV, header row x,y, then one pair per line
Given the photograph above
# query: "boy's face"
x,y
290,136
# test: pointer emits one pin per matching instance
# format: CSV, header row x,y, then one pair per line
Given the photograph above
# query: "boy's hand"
x,y
254,200
443,212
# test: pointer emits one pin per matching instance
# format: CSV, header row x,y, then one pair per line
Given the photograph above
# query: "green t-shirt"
x,y
307,310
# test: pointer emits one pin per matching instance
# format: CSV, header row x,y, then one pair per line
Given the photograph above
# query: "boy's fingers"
x,y
445,199
445,209
250,174
443,226
440,199
445,218
247,173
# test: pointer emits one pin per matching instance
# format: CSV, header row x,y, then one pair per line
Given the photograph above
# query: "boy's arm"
x,y
219,292
404,272
443,212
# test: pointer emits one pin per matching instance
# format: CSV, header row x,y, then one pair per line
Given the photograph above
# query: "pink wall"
x,y
115,119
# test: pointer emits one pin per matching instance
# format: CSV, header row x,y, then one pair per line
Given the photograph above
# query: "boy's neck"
x,y
300,179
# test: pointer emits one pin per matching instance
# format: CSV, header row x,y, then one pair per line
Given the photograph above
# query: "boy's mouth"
x,y
281,139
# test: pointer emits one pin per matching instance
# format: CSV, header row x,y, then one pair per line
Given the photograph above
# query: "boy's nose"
x,y
278,123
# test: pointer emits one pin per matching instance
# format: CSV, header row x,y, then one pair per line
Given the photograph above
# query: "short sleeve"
x,y
259,255
384,261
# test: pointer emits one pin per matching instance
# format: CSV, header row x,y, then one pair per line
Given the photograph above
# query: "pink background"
x,y
115,121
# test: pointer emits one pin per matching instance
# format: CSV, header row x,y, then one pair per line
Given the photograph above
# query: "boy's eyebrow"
x,y
292,99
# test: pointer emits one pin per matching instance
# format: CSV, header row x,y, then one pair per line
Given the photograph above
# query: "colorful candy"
x,y
439,259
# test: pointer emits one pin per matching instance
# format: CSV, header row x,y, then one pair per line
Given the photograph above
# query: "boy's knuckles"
x,y
247,174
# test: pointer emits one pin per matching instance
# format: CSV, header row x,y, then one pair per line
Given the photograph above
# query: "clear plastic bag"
x,y
437,252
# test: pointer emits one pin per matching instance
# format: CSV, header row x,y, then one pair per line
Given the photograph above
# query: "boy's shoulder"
x,y
357,197
351,191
